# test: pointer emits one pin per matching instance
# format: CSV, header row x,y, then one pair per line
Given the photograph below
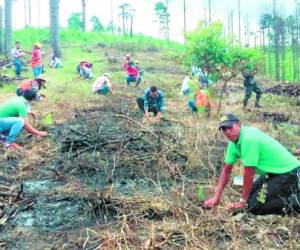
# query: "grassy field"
x,y
135,195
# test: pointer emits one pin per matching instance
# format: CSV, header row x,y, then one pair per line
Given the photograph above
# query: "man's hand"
x,y
32,114
42,134
147,115
212,202
297,151
158,117
235,206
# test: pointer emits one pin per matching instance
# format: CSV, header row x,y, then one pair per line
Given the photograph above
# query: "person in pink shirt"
x,y
132,74
36,60
102,85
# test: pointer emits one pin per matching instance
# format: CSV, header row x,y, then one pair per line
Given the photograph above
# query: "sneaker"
x,y
258,106
13,146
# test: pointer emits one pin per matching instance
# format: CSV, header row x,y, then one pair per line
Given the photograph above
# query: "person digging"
x,y
132,74
33,85
153,101
276,191
14,117
103,85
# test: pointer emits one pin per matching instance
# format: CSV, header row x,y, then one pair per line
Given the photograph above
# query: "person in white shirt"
x,y
55,62
102,85
17,55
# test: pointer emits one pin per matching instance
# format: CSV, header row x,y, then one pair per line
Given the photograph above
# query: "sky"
x,y
144,20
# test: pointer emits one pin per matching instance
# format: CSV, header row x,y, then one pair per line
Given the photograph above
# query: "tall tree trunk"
x,y
167,21
269,51
1,31
277,58
131,26
239,17
14,15
283,68
54,27
29,13
276,41
119,25
123,19
263,47
205,14
39,13
8,27
246,31
228,26
83,2
231,23
112,17
209,11
297,34
25,13
126,24
184,20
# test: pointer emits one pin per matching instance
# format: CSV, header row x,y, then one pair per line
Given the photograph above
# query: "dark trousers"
x,y
130,79
271,194
249,88
140,103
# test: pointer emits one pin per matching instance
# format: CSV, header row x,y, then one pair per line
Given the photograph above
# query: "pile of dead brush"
x,y
120,140
287,90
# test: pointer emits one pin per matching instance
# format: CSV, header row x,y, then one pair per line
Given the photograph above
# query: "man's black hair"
x,y
29,95
153,89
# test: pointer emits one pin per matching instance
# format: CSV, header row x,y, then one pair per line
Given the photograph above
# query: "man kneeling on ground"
x,y
276,191
14,116
153,101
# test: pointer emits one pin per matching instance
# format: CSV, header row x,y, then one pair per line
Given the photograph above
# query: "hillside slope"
x,y
104,179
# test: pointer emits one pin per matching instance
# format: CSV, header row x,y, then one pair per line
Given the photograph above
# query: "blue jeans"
x,y
192,106
37,71
11,126
130,79
18,66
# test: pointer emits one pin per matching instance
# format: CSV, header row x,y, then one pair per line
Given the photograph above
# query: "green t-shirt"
x,y
257,149
15,107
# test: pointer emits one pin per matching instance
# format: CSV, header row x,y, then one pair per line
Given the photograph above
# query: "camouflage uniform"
x,y
251,86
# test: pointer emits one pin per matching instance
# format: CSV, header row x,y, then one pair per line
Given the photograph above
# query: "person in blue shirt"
x,y
153,101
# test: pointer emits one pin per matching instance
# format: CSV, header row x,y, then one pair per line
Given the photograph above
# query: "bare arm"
x,y
34,131
215,200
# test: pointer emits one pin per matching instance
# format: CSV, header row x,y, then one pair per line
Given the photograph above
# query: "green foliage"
x,y
201,193
206,47
97,25
209,50
75,21
48,119
162,15
110,27
29,36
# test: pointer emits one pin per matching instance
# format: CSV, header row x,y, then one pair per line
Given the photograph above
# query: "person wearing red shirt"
x,y
36,60
132,74
33,86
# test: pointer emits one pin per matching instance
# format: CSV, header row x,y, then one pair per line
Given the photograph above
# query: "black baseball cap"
x,y
227,120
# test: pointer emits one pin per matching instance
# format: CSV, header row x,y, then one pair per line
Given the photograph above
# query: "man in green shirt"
x,y
276,188
14,116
